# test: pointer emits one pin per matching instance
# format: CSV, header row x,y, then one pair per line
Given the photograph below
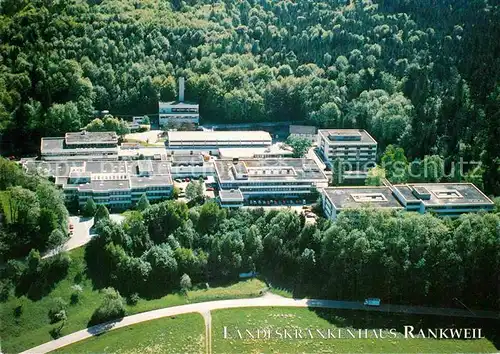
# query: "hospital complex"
x,y
244,167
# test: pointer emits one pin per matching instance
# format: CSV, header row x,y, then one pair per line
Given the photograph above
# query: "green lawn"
x,y
32,326
179,334
302,318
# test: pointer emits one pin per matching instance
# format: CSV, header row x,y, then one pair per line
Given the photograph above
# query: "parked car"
x,y
372,301
71,226
178,180
210,189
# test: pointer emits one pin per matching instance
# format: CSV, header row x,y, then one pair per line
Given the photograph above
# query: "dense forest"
x,y
420,74
400,257
33,214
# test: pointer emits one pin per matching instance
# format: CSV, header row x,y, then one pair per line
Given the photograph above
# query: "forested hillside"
x,y
422,74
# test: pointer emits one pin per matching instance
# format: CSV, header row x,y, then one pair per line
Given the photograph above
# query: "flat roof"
x,y
250,152
230,195
178,104
153,180
102,185
145,166
196,158
52,144
443,193
364,136
106,174
85,137
269,169
217,136
355,197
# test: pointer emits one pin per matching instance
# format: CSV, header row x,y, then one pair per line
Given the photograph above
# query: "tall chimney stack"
x,y
181,89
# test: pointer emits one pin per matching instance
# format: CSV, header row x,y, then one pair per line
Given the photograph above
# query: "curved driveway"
x,y
266,300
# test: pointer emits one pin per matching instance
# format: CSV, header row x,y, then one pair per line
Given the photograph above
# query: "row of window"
x,y
178,110
299,189
263,184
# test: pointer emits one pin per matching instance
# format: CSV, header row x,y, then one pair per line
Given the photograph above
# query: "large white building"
x,y
287,178
354,147
117,184
337,199
178,112
211,141
80,146
443,199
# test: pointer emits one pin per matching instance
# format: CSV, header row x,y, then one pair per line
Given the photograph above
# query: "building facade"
x,y
210,141
355,148
80,146
116,184
337,199
270,178
443,199
178,112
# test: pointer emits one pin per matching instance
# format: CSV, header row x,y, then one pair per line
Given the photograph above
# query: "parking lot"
x,y
81,232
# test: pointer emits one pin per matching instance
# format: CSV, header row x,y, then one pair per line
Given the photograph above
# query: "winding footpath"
x,y
268,300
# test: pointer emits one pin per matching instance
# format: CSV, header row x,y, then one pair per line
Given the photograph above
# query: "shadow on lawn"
x,y
383,320
40,282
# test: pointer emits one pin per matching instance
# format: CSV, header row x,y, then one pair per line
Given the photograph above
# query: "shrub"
x,y
133,299
57,310
111,308
75,296
185,283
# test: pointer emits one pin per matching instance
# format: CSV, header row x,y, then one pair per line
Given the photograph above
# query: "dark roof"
x,y
302,129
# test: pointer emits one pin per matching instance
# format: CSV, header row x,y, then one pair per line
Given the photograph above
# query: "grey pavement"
x,y
82,233
267,300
